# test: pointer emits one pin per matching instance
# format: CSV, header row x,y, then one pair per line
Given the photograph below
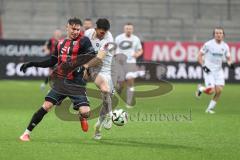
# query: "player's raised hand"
x,y
206,69
24,66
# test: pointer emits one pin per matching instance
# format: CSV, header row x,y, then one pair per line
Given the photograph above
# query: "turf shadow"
x,y
118,142
137,143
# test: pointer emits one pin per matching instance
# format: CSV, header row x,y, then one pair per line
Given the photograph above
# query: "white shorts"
x,y
108,79
139,73
131,75
213,79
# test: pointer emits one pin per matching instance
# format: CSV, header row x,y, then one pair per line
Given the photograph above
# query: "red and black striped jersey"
x,y
69,51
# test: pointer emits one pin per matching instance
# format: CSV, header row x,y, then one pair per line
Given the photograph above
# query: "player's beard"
x,y
74,36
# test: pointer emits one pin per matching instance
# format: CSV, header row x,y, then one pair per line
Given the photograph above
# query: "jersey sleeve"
x,y
104,45
50,62
87,33
106,41
117,40
86,46
138,45
204,49
227,52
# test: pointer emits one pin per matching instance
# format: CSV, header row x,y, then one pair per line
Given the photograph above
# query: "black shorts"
x,y
77,100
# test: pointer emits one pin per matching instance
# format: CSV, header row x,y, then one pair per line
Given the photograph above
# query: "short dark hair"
x,y
220,28
87,19
128,24
74,20
103,23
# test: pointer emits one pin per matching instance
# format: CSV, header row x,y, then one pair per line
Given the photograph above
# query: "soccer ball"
x,y
119,117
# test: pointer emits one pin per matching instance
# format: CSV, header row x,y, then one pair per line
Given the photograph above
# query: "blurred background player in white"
x,y
129,45
211,58
100,70
87,23
49,49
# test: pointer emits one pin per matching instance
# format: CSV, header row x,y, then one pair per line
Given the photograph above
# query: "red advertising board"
x,y
163,51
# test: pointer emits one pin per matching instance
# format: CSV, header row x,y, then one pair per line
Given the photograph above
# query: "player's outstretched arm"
x,y
97,61
229,61
200,58
200,61
44,64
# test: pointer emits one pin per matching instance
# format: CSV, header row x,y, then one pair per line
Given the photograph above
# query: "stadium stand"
x,y
154,19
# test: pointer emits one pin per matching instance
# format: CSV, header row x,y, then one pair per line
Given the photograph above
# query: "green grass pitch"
x,y
191,134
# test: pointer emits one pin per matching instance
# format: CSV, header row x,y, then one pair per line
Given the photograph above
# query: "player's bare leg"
x,y
201,89
120,86
105,114
83,116
97,130
213,102
36,119
106,110
100,121
130,92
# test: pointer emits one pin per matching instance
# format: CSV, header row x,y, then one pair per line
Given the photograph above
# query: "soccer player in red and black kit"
x,y
49,49
67,50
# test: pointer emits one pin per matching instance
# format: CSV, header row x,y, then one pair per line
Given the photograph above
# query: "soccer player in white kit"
x,y
100,70
129,45
211,58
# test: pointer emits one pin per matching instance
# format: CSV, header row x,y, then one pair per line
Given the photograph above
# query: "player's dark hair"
x,y
87,19
220,28
74,20
128,24
103,23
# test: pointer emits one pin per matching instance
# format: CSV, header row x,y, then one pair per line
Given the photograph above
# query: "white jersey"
x,y
214,54
128,46
101,45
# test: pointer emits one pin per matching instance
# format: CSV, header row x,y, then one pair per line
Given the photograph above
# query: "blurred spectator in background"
x,y
49,49
87,23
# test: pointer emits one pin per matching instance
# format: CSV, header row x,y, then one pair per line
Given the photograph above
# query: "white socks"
x,y
130,92
110,113
201,89
101,119
27,132
211,105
